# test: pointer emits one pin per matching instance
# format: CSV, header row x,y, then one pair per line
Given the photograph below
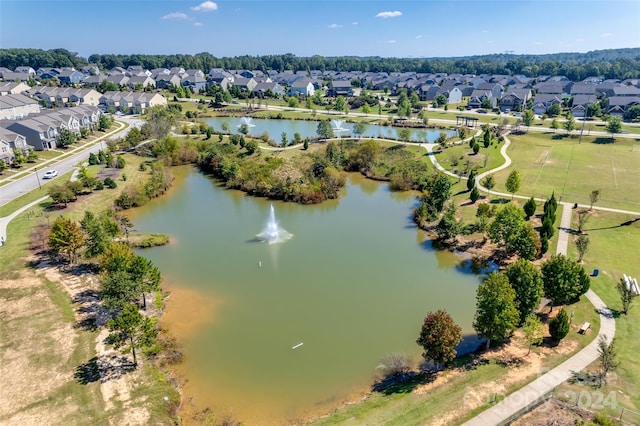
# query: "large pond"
x,y
353,284
307,128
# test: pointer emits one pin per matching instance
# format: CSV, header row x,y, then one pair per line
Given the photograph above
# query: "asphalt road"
x,y
33,180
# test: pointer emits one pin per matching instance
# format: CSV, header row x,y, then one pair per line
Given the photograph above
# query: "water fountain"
x,y
337,126
248,121
272,233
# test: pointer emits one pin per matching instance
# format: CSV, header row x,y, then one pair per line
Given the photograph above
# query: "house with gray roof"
x,y
302,86
264,88
543,101
581,103
514,100
13,107
26,70
165,81
13,88
143,80
10,142
340,88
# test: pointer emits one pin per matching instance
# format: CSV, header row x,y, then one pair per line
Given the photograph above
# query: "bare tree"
x,y
607,357
594,197
627,294
583,218
582,244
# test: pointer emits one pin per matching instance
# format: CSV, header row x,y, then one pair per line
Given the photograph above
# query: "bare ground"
x,y
54,365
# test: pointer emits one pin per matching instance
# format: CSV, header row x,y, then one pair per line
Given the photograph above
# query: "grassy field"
x,y
613,249
454,158
573,170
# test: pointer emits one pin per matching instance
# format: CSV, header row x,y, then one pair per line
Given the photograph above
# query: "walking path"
x,y
531,393
4,221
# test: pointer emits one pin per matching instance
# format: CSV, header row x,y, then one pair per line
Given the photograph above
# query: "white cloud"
x,y
391,41
197,24
176,15
389,14
419,36
606,35
334,26
354,23
207,6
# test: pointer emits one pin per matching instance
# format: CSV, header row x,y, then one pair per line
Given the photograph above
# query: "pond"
x,y
307,129
351,285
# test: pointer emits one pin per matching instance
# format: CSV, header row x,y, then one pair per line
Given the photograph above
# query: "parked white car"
x,y
50,174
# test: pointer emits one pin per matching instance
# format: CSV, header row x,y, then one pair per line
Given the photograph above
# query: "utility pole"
x,y
38,177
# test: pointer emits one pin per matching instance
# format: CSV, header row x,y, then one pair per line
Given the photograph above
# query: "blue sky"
x,y
418,28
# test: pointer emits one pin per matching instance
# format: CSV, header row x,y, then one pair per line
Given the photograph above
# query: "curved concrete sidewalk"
x,y
535,390
4,221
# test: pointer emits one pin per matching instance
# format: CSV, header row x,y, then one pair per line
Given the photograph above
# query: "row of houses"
x,y
41,131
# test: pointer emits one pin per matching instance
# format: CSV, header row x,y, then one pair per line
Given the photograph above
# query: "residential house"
x,y
581,103
340,88
143,80
484,91
302,86
514,100
13,88
119,79
6,153
618,105
13,107
37,133
245,84
264,87
15,76
94,80
196,82
543,101
68,77
165,81
26,70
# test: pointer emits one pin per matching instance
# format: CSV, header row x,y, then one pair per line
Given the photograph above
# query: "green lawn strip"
x,y
573,170
455,157
613,249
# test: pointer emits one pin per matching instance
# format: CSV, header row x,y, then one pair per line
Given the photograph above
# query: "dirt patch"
x,y
554,412
36,344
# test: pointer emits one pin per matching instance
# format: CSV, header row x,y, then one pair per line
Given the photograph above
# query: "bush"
x,y
99,185
559,326
110,183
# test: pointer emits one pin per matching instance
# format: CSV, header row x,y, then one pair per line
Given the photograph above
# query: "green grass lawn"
x,y
613,249
573,170
454,158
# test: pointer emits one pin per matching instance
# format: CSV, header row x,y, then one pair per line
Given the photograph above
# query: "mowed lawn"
x,y
574,170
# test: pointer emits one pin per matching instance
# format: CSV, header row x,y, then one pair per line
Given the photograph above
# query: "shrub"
x,y
110,183
559,326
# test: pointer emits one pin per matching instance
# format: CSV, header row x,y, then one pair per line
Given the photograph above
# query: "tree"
x,y
488,182
448,228
284,139
594,197
404,134
61,194
554,110
340,104
564,280
146,276
66,237
359,128
251,146
533,331
65,138
614,125
530,208
582,244
104,122
244,129
471,180
496,313
324,129
439,337
513,182
476,148
559,326
526,280
507,227
607,356
627,294
131,330
97,235
475,195
305,145
570,123
583,217
527,118
554,125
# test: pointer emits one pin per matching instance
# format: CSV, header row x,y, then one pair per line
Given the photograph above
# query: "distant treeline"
x,y
611,63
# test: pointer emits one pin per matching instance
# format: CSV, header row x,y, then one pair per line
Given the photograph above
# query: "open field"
x,y
573,170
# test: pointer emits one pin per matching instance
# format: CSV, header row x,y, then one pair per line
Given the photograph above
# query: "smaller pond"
x,y
307,129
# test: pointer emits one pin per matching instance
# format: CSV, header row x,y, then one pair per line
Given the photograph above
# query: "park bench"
x,y
585,327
